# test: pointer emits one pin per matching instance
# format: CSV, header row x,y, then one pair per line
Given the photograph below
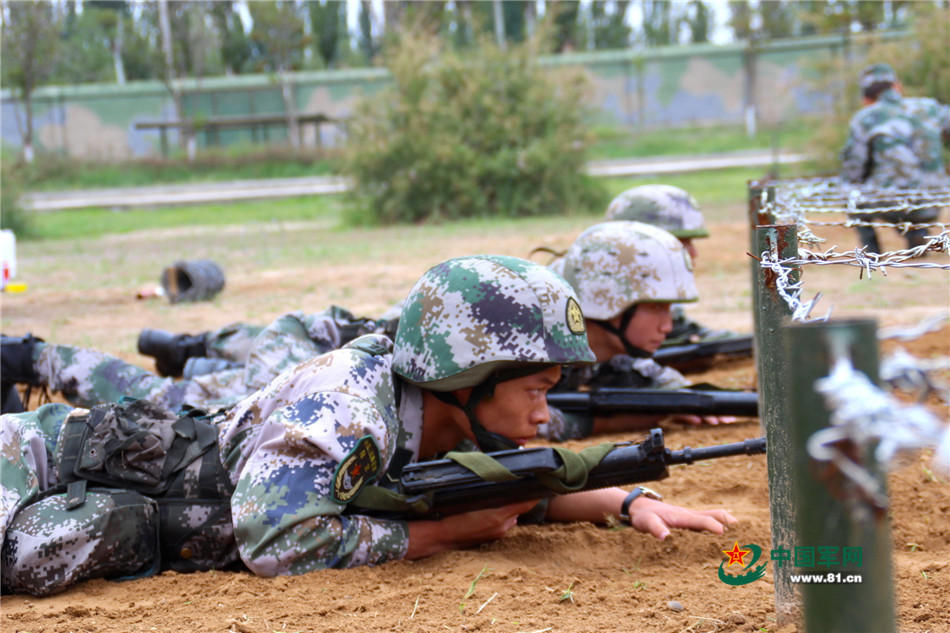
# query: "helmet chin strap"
x,y
625,318
487,441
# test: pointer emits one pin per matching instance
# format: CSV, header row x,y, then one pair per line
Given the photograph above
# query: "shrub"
x,y
469,133
12,215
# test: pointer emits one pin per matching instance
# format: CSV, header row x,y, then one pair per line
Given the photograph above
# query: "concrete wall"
x,y
659,88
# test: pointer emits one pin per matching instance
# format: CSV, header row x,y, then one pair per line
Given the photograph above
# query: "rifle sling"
x,y
571,476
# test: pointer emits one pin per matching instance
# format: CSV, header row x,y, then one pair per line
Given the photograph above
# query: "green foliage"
x,y
278,36
922,63
29,33
610,27
473,134
235,44
12,215
328,25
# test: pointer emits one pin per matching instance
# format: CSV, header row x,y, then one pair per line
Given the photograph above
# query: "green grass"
x,y
52,173
712,188
96,222
614,142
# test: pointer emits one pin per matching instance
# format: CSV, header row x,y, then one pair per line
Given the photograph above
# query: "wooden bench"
x,y
212,125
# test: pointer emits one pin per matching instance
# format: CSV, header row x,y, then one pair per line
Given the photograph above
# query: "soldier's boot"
x,y
916,237
16,366
868,237
171,351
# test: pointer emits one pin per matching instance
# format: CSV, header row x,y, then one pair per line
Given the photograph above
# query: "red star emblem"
x,y
736,555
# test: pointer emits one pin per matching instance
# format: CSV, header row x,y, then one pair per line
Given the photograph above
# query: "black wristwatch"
x,y
636,492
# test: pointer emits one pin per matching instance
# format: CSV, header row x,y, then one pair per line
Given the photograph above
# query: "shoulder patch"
x,y
358,468
574,316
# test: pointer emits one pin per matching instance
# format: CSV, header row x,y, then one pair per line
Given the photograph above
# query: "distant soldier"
x,y
894,143
676,211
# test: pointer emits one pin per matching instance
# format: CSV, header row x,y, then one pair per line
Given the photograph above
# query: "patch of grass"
x,y
567,594
708,187
89,223
619,142
52,172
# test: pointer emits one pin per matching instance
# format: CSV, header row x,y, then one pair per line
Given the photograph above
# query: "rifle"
x,y
613,400
674,354
444,486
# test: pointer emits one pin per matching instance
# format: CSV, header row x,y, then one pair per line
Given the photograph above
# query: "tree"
x,y
235,44
659,27
778,19
83,53
740,19
30,37
280,40
327,24
366,41
698,19
610,27
565,14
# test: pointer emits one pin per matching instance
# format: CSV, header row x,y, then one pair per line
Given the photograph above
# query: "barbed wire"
x,y
933,323
835,193
900,370
865,417
790,291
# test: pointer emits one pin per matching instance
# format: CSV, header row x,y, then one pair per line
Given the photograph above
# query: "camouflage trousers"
x,y
54,536
87,377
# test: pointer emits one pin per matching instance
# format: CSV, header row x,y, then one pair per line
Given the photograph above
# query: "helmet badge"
x,y
574,317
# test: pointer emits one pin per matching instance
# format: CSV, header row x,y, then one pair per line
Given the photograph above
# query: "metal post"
x,y
757,217
827,520
771,314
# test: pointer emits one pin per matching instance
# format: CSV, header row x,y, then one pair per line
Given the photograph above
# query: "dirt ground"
x,y
558,578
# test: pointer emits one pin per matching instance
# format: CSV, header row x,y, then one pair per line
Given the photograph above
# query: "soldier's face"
x,y
518,406
649,326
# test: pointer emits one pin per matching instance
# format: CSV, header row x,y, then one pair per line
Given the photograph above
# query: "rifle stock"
x,y
615,400
450,488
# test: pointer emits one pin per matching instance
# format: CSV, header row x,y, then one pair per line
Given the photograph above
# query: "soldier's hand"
x,y
462,530
696,420
657,517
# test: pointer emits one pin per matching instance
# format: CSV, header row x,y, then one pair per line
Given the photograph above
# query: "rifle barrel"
x,y
614,400
689,455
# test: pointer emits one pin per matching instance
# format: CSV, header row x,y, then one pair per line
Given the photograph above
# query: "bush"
x,y
471,133
12,215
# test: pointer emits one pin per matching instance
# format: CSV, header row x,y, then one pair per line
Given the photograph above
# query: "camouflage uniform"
x,y
674,210
289,449
894,143
88,377
613,266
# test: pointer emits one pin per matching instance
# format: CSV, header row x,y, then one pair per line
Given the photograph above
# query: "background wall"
x,y
660,88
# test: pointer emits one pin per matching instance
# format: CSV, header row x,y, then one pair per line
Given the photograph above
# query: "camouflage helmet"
x,y
471,316
665,206
615,265
877,73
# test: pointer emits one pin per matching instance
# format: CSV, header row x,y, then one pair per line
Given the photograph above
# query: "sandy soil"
x,y
554,578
